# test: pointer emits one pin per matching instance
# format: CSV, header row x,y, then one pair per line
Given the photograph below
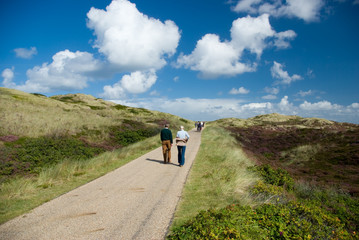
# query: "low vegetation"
x,y
50,145
219,176
281,201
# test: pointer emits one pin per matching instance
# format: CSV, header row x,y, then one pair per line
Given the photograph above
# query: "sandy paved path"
x,y
136,201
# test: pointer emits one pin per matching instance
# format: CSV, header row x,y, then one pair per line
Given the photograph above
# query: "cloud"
x,y
25,53
285,105
281,42
356,2
240,90
307,93
138,82
8,76
274,90
269,97
154,93
322,105
247,6
68,71
135,83
113,92
278,73
307,10
213,57
131,40
272,93
252,34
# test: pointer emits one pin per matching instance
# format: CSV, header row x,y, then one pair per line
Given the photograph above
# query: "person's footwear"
x,y
181,165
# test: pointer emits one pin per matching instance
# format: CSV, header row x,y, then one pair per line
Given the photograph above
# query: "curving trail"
x,y
136,201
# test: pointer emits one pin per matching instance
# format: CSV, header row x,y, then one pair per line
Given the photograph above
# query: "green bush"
x,y
184,120
277,177
292,220
233,222
120,107
131,131
32,154
127,137
267,189
340,204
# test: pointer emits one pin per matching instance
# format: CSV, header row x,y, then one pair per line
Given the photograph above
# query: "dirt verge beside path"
x,y
136,201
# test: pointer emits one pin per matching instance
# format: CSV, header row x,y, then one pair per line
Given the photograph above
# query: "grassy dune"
x,y
50,145
34,115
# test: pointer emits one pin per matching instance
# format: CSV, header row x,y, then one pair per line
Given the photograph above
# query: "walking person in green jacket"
x,y
167,142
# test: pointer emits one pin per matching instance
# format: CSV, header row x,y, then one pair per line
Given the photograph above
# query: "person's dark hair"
x,y
167,125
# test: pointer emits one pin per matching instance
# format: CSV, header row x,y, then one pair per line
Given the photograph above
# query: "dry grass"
x,y
301,154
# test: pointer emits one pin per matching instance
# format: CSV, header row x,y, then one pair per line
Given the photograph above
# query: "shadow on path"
x,y
160,161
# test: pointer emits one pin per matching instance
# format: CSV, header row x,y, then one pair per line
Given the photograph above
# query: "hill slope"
x,y
313,150
37,131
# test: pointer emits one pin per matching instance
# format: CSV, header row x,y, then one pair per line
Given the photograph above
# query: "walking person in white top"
x,y
181,141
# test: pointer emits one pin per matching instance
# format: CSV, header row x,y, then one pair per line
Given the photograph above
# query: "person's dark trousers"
x,y
181,153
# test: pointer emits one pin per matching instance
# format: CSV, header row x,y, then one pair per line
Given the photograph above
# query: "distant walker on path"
x,y
181,141
167,142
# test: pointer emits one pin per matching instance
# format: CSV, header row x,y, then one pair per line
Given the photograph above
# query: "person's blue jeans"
x,y
181,153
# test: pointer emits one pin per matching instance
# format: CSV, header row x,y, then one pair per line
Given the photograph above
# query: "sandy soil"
x,y
136,201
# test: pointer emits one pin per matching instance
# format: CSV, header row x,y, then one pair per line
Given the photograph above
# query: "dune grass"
x,y
20,195
32,115
219,176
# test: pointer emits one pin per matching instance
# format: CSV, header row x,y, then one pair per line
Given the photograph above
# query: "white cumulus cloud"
x,y
131,40
272,92
68,71
305,93
138,82
135,83
284,77
322,105
240,90
251,33
213,57
307,10
282,40
25,53
8,76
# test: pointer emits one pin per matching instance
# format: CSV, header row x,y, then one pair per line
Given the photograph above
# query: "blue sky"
x,y
201,60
